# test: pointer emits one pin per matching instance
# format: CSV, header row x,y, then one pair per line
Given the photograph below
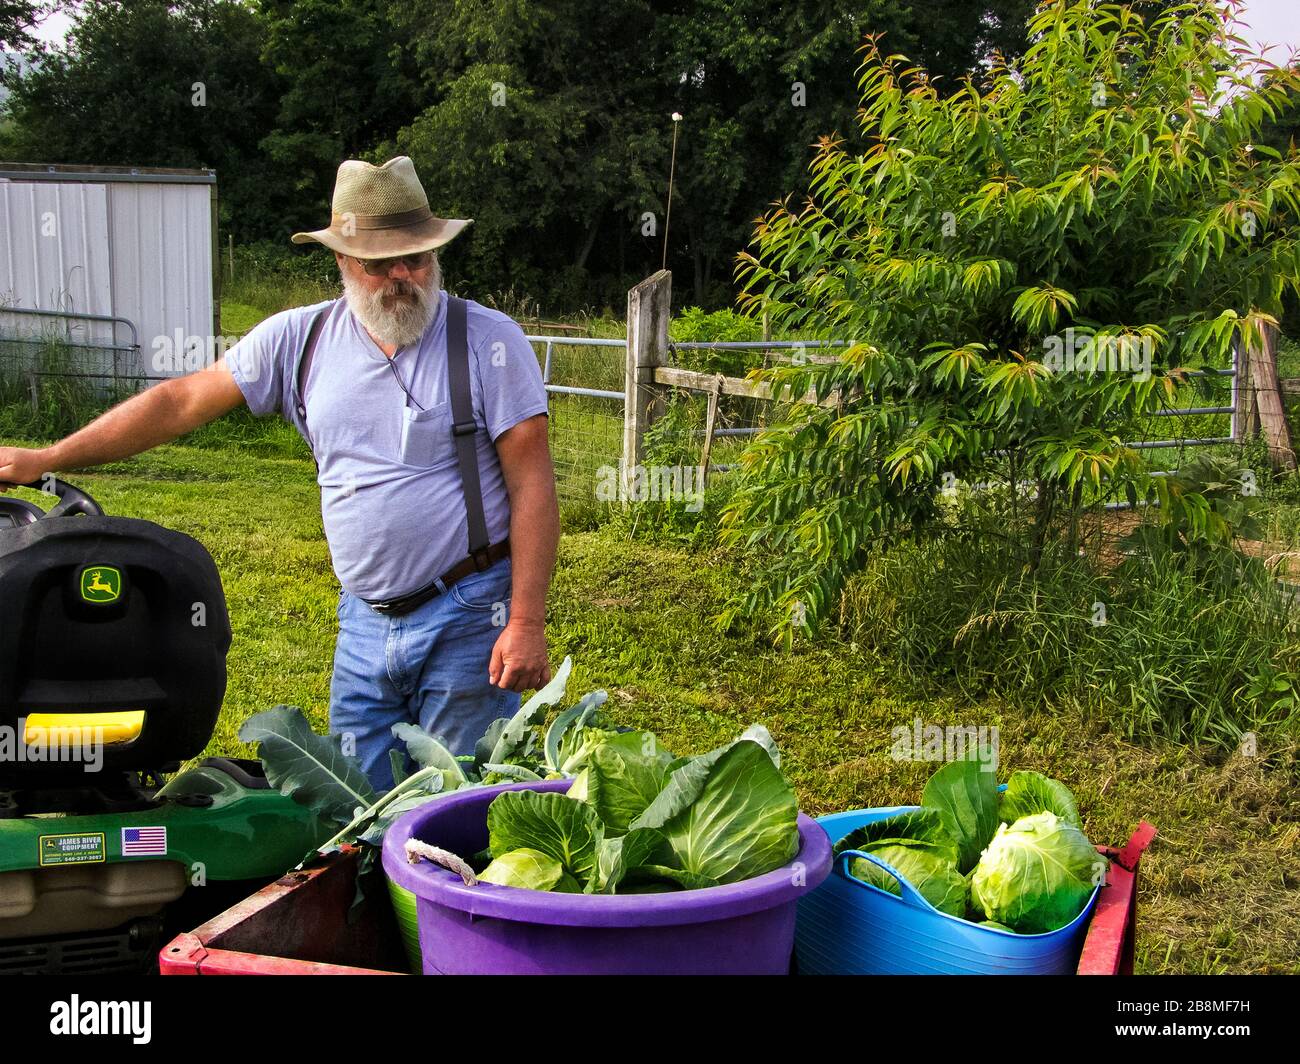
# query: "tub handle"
x,y
911,895
415,850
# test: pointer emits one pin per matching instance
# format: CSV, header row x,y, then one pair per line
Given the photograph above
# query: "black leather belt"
x,y
473,564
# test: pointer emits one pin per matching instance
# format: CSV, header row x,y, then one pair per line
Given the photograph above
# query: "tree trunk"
x,y
1042,519
592,230
1076,499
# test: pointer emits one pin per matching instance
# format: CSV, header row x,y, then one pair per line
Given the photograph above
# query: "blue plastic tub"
x,y
847,927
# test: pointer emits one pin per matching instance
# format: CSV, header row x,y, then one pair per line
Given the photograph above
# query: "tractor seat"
x,y
113,641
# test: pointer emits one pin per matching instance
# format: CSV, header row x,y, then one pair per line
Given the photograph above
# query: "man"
x,y
442,529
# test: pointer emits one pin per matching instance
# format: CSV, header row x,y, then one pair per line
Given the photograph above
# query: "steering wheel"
x,y
14,513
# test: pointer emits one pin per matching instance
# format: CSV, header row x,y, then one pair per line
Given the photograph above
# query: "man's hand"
x,y
22,465
519,661
519,658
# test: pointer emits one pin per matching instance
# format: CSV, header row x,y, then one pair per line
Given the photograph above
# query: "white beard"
x,y
405,321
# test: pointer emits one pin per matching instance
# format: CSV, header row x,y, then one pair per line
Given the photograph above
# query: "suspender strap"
x,y
300,376
464,428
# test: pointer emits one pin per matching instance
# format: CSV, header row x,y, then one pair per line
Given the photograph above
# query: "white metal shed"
x,y
121,261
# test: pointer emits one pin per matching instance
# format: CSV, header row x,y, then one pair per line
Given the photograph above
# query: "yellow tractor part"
x,y
120,726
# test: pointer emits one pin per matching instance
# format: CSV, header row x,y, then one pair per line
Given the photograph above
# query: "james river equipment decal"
x,y
100,583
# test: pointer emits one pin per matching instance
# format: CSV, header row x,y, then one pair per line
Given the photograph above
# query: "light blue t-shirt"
x,y
391,495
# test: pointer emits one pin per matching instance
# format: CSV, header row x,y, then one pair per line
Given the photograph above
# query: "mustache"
x,y
401,288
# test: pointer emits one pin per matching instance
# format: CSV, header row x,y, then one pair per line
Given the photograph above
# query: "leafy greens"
x,y
638,819
1019,863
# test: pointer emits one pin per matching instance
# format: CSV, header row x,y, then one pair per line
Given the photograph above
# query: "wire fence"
x,y
55,377
1203,412
584,383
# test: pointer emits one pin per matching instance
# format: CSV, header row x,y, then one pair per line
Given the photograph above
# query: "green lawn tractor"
x,y
113,641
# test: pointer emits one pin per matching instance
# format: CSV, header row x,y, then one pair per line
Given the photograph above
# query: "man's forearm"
x,y
534,537
158,415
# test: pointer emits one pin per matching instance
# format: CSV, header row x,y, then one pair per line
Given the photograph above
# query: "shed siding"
x,y
135,250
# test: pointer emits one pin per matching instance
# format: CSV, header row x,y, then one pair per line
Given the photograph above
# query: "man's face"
x,y
397,306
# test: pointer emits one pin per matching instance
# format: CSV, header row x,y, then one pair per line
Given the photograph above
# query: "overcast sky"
x,y
1272,23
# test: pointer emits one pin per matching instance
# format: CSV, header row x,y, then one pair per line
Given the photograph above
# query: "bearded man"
x,y
427,418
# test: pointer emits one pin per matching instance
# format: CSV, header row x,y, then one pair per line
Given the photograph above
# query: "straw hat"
x,y
382,211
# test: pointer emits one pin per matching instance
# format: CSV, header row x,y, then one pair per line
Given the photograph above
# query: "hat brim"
x,y
427,235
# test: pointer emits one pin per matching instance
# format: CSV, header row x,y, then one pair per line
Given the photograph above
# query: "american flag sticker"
x,y
144,842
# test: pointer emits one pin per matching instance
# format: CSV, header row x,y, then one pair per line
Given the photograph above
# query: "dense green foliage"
x,y
1104,194
1203,654
639,820
17,17
545,121
158,84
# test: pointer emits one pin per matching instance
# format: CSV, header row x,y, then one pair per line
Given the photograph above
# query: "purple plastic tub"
x,y
738,929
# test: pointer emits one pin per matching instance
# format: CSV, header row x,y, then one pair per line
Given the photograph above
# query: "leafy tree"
x,y
756,80
17,19
348,83
540,132
1111,183
561,177
154,83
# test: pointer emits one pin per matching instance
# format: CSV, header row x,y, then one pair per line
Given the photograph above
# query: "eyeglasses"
x,y
381,267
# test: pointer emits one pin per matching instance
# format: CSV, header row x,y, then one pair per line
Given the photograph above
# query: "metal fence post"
x,y
1234,421
648,308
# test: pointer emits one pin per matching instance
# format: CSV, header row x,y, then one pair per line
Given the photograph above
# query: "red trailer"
x,y
298,925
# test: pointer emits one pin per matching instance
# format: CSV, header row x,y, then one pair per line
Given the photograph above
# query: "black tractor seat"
x,y
111,628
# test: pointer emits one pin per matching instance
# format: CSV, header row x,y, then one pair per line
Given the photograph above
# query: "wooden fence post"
x,y
1264,397
710,421
1245,420
648,309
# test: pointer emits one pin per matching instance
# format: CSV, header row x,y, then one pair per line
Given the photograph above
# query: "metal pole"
x,y
672,168
1236,380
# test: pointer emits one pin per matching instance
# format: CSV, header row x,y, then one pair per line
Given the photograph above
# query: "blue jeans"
x,y
429,667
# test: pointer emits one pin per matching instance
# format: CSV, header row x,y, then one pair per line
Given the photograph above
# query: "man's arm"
x,y
519,660
158,415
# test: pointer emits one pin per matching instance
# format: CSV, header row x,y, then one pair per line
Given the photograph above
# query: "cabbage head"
x,y
1037,874
935,878
531,870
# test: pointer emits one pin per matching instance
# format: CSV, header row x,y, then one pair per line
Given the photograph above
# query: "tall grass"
x,y
268,279
42,399
1157,646
44,393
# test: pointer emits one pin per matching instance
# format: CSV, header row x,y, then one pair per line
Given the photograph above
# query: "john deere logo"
x,y
101,583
